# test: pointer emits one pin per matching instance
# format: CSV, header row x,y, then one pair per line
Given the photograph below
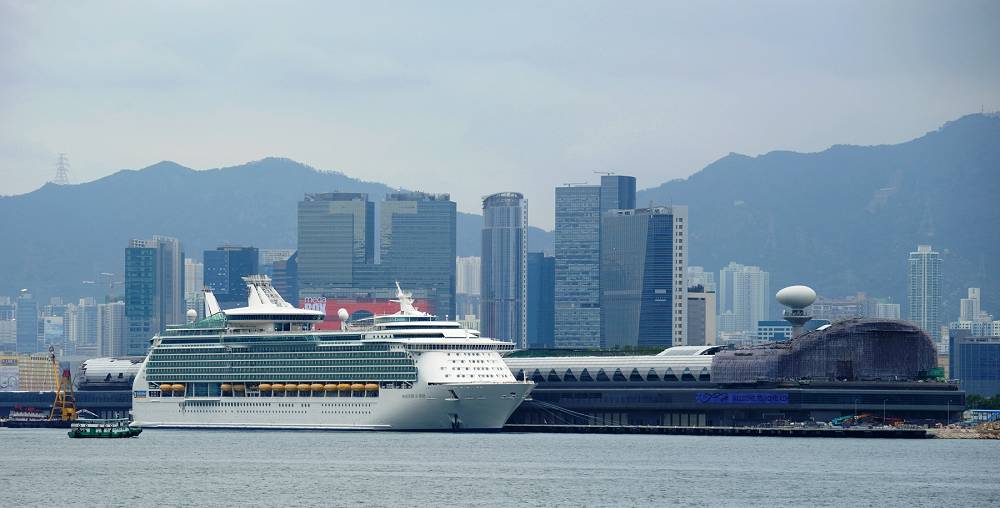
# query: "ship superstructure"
x,y
266,365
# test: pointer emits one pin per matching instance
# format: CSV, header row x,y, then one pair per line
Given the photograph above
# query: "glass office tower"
x,y
541,300
336,233
417,247
643,270
503,284
578,256
154,289
224,269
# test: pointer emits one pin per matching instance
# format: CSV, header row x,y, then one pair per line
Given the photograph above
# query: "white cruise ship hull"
x,y
458,406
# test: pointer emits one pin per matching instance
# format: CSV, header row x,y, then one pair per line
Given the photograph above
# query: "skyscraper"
x,y
285,278
111,329
745,293
924,292
27,323
503,284
154,289
225,268
971,307
417,247
697,276
270,256
541,300
468,271
578,256
643,271
336,235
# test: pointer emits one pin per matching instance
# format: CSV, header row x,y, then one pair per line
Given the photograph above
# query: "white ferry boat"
x,y
266,365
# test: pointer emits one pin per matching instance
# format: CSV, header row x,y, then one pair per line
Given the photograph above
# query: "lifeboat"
x,y
330,387
371,387
278,387
303,387
239,388
166,387
177,388
265,387
316,387
226,387
343,387
357,387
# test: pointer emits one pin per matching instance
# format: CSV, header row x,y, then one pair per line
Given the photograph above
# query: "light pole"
x,y
855,410
948,416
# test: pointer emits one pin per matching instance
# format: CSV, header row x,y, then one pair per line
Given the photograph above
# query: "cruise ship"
x,y
268,366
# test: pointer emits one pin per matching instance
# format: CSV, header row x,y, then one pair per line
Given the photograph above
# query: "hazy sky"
x,y
478,97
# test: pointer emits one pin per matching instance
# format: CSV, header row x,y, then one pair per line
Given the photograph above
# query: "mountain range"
x,y
842,220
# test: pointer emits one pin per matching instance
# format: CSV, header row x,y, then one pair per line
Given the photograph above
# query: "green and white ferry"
x,y
103,428
266,366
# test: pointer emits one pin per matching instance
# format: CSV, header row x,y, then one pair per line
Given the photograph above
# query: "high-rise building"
x,y
745,292
541,300
417,247
503,283
81,325
270,256
702,329
154,289
111,329
468,271
643,271
924,292
225,268
578,256
697,276
27,323
336,238
285,278
970,308
887,311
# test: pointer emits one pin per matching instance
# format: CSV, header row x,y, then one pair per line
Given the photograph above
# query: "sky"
x,y
473,98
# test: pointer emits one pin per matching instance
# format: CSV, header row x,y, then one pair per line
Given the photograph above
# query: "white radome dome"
x,y
796,297
343,315
192,314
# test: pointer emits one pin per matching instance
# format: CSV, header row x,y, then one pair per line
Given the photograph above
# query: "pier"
x,y
723,431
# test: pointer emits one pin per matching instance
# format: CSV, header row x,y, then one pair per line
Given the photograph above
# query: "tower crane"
x,y
64,407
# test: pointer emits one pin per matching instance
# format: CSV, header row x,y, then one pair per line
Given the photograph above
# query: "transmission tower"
x,y
62,170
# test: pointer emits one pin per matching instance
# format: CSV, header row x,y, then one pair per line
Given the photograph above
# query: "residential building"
x,y
224,270
887,311
27,323
578,256
702,329
924,291
744,291
970,308
541,300
468,271
154,289
503,280
643,269
697,276
111,329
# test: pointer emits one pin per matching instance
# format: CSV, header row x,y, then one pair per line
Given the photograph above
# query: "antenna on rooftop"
x,y
607,173
62,170
570,184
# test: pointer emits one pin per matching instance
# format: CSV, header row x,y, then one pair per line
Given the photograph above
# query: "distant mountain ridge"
x,y
845,219
69,234
841,220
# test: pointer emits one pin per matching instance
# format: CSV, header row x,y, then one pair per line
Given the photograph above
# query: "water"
x,y
224,468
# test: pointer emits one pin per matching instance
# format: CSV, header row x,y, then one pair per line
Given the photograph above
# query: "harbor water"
x,y
274,468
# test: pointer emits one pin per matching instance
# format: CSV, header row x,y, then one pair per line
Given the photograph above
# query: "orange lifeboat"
x,y
265,387
226,387
278,387
239,388
303,387
343,387
371,387
316,387
357,387
330,387
177,388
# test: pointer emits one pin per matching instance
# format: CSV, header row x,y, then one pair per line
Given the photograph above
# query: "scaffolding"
x,y
849,350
